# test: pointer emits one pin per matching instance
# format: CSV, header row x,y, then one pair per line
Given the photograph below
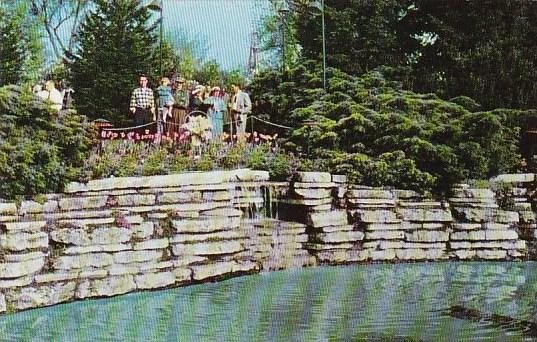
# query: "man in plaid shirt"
x,y
142,103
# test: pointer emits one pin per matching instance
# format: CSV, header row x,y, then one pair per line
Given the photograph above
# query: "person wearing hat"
x,y
216,110
197,102
182,100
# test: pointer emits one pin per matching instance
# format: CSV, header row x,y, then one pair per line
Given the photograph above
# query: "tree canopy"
x,y
483,50
21,54
115,45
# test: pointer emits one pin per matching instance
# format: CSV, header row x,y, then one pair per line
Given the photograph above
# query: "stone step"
x,y
484,235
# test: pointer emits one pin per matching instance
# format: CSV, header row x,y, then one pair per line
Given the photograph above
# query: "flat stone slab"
x,y
375,216
200,272
313,177
387,254
154,280
487,215
105,287
24,256
427,236
301,185
383,244
371,202
344,236
207,248
327,218
514,178
78,203
222,212
109,235
332,229
135,200
484,235
474,193
425,215
56,276
384,235
24,226
179,197
17,282
127,257
519,244
173,180
370,193
341,256
384,226
69,262
8,209
317,193
44,295
306,201
23,241
205,224
20,269
217,236
151,244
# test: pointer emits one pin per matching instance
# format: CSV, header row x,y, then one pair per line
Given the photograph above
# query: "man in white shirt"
x,y
241,106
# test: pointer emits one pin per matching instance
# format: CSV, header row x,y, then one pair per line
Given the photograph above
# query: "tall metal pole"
x,y
160,43
324,46
283,12
283,44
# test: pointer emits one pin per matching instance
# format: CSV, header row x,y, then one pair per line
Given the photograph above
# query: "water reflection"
x,y
471,301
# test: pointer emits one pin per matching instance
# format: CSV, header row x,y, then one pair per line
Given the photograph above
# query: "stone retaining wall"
x,y
114,236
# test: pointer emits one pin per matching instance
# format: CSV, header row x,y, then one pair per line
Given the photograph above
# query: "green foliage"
x,y
115,45
443,47
123,158
155,162
21,55
40,150
469,55
377,133
208,74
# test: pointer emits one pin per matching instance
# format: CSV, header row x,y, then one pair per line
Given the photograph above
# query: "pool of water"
x,y
466,301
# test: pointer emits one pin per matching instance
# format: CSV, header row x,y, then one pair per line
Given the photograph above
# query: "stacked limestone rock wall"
x,y
357,223
315,199
517,192
114,236
482,229
277,244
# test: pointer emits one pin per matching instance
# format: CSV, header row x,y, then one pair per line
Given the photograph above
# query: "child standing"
x,y
165,102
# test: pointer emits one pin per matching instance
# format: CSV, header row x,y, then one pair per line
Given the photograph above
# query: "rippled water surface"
x,y
380,302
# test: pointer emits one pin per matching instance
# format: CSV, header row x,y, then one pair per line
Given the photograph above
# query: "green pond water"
x,y
466,301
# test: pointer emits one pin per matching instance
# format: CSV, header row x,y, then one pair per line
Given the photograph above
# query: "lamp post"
x,y
157,5
283,12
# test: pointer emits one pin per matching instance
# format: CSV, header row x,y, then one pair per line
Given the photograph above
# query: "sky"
x,y
223,27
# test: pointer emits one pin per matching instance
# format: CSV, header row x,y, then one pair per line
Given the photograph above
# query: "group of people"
x,y
172,104
60,99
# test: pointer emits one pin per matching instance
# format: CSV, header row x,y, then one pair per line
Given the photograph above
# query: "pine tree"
x,y
115,44
20,48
